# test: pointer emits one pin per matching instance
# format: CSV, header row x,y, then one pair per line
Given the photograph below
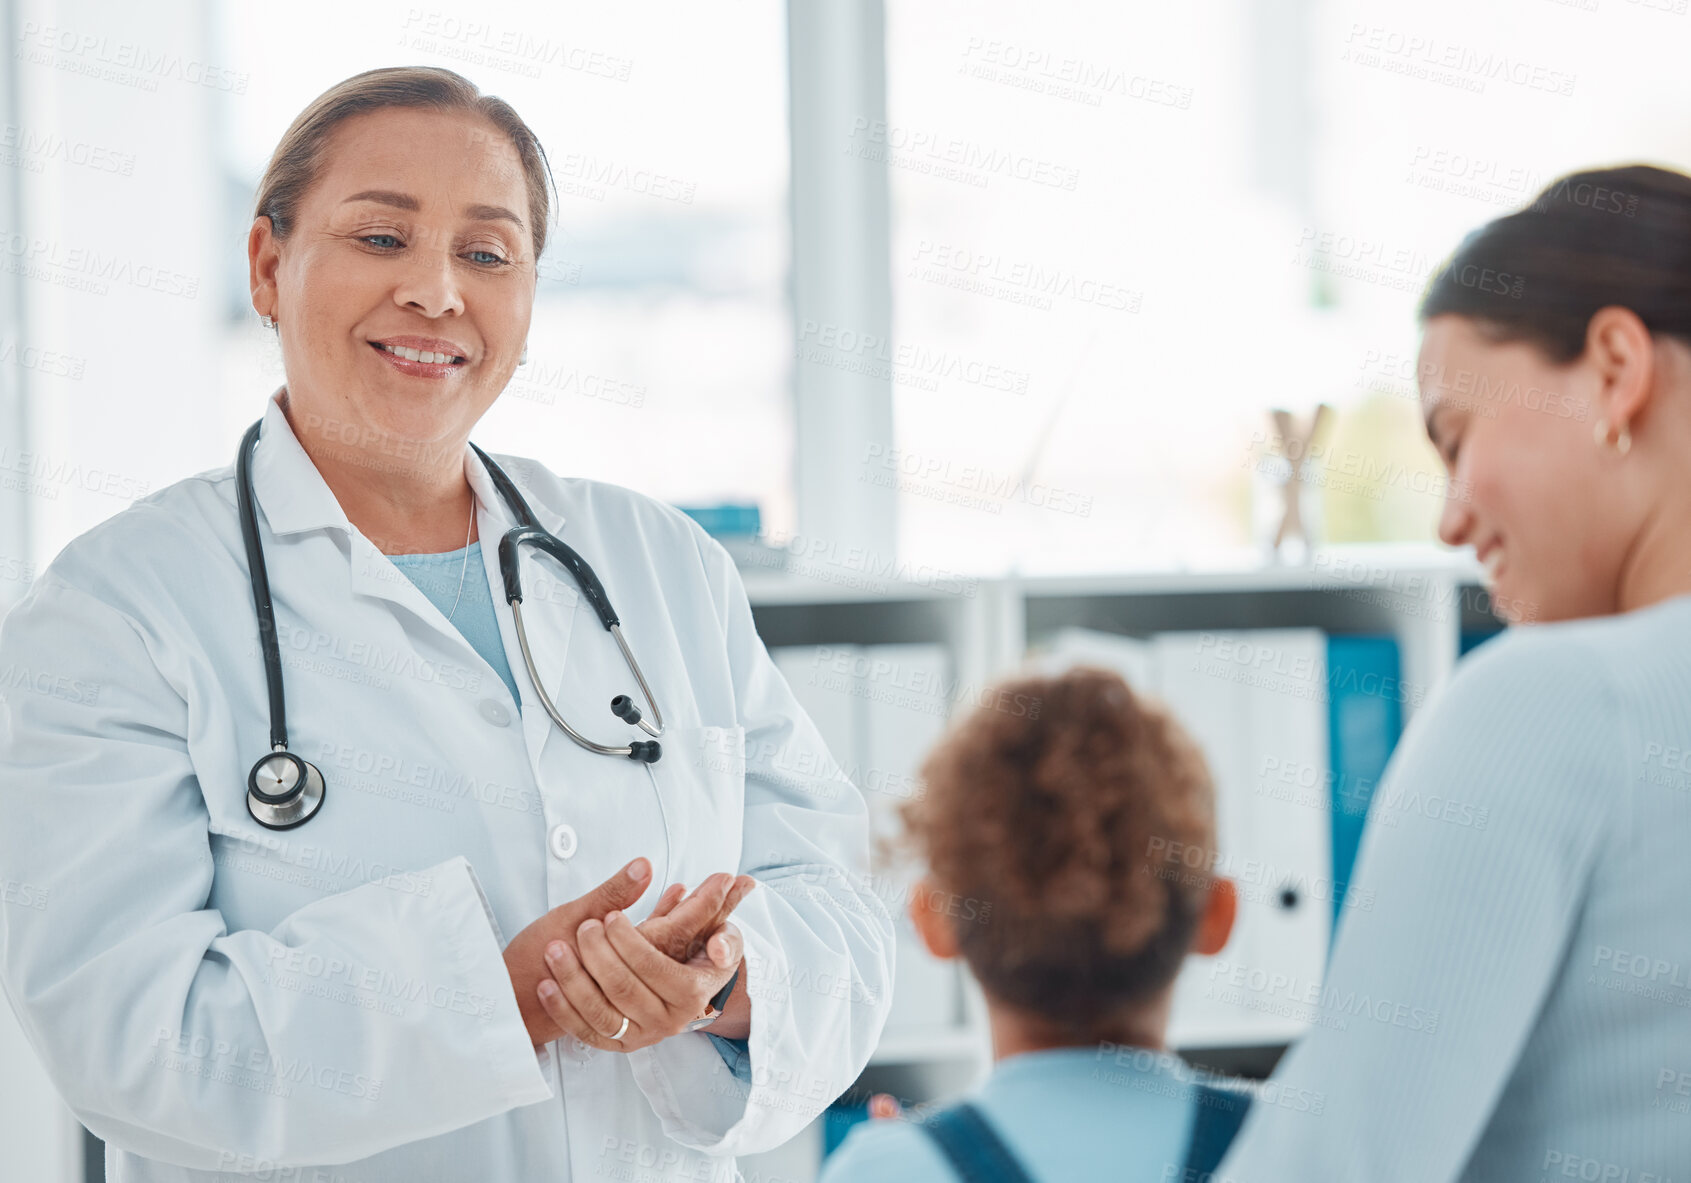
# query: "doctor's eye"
x,y
392,240
490,259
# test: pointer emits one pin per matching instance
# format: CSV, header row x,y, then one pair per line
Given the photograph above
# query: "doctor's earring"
x,y
1622,443
268,322
523,360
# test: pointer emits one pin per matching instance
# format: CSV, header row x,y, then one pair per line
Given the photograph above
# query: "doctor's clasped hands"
x,y
585,966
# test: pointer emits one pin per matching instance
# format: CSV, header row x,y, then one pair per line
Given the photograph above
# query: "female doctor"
x,y
277,896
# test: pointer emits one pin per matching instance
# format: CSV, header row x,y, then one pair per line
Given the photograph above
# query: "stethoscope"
x,y
284,790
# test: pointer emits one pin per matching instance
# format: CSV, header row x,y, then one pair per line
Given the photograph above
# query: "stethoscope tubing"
x,y
552,710
299,789
260,580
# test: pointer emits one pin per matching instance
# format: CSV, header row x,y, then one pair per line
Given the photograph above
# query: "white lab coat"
x,y
211,996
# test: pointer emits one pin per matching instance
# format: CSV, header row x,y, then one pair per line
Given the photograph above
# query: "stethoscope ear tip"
x,y
646,751
623,708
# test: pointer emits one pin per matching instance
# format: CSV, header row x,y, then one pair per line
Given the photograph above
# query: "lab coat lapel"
x,y
294,498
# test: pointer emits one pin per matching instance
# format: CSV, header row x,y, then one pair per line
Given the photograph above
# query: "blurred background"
x,y
990,293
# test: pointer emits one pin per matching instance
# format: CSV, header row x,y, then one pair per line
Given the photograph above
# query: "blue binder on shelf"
x,y
1365,719
726,520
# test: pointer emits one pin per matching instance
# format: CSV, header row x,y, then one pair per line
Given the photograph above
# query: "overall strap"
x,y
1220,1114
973,1147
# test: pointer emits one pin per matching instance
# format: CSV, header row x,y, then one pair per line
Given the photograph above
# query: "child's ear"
x,y
1216,923
927,914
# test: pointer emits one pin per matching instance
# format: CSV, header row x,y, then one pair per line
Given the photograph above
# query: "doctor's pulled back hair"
x,y
298,159
1589,240
1058,824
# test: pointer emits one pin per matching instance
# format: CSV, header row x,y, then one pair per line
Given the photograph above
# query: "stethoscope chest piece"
x,y
284,791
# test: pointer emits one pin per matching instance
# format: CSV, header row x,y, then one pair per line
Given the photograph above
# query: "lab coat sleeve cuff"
x,y
525,1072
697,1096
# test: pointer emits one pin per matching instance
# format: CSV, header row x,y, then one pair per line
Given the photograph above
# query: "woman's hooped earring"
x,y
523,360
268,322
1622,443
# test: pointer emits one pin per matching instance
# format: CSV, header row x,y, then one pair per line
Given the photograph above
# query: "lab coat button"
x,y
494,712
562,840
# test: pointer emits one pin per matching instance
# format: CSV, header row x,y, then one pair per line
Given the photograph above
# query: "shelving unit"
x,y
1425,598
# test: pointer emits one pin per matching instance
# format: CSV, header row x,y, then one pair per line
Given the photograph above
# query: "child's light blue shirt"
x,y
1098,1112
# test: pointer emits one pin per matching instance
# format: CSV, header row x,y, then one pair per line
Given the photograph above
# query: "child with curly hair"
x,y
1044,832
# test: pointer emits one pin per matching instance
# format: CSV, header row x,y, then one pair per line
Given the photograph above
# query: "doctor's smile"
x,y
427,357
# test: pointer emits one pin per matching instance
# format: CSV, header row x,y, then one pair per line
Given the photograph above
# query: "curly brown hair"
x,y
1056,824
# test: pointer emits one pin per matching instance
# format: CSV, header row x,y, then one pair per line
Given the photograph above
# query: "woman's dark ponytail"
x,y
1616,236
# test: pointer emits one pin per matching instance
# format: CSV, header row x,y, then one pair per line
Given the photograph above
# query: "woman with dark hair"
x,y
1516,1003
